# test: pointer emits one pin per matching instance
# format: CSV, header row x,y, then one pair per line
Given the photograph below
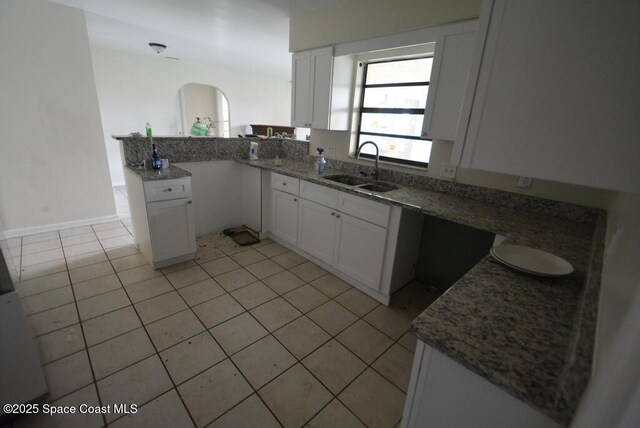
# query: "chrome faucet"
x,y
359,149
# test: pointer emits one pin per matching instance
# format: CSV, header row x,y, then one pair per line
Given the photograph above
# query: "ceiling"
x,y
252,35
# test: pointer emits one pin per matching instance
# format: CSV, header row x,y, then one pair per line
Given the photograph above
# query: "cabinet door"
x,y
311,88
171,228
301,90
557,93
285,216
321,73
451,62
317,230
360,250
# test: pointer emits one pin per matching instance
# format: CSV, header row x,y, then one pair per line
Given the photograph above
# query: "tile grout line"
x,y
157,354
84,340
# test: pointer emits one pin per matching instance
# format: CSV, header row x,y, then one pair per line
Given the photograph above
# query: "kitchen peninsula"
x,y
529,336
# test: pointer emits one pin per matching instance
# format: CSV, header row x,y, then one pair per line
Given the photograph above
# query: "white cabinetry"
x,y
317,229
171,228
320,98
284,204
443,393
353,244
555,93
360,250
285,216
371,245
451,61
162,218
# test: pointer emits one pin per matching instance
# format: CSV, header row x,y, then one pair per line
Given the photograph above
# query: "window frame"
x,y
391,110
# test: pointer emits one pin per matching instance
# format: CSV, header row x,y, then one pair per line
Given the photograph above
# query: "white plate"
x,y
531,260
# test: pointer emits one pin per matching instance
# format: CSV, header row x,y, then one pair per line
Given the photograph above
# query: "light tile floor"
x,y
241,336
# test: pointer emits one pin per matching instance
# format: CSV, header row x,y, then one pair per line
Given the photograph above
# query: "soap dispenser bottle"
x,y
321,163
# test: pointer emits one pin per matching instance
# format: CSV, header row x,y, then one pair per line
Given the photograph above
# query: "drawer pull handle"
x,y
190,202
169,189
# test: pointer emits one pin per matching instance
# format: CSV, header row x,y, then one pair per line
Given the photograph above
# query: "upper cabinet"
x,y
451,61
554,93
321,90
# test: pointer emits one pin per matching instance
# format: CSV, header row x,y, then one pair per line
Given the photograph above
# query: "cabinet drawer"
x,y
163,190
322,195
365,209
285,183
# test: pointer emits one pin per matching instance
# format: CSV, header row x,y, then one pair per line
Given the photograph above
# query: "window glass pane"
x,y
413,150
403,124
412,70
396,97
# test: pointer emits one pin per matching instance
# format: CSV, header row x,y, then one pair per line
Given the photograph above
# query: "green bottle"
x,y
148,130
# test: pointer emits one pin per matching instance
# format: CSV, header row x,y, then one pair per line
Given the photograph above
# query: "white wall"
x,y
612,398
135,89
217,195
53,166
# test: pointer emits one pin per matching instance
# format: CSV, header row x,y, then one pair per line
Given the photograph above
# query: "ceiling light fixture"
x,y
157,47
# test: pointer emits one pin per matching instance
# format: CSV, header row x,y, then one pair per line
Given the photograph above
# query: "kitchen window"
x,y
393,100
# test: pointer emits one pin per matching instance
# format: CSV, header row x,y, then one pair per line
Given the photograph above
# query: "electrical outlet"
x,y
331,152
448,170
525,182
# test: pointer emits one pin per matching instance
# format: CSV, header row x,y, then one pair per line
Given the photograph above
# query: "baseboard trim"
x,y
6,234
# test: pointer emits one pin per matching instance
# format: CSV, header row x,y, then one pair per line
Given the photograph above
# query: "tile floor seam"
x,y
86,347
157,354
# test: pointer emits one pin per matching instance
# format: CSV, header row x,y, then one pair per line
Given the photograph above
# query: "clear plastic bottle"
x,y
321,163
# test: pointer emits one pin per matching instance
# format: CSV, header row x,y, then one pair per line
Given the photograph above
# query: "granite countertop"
x,y
531,336
159,174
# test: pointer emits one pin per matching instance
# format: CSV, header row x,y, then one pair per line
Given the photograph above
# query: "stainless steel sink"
x,y
361,183
378,186
351,180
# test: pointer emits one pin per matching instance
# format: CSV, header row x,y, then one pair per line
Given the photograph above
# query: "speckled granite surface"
x,y
161,174
200,149
528,335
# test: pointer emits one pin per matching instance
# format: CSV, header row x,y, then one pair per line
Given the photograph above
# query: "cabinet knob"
x,y
169,189
284,184
337,215
190,202
333,213
295,199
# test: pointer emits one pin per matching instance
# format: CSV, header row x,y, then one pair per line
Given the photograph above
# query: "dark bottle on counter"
x,y
156,162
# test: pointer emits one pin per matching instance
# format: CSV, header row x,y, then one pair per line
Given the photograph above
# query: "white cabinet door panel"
x,y
171,228
451,62
557,93
284,222
317,230
301,90
360,250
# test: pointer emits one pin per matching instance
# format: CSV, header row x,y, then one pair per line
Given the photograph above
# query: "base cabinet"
x,y
443,393
360,250
162,218
369,244
285,216
317,230
171,228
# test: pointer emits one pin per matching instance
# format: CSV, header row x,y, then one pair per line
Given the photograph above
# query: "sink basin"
x,y
361,183
351,180
377,187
